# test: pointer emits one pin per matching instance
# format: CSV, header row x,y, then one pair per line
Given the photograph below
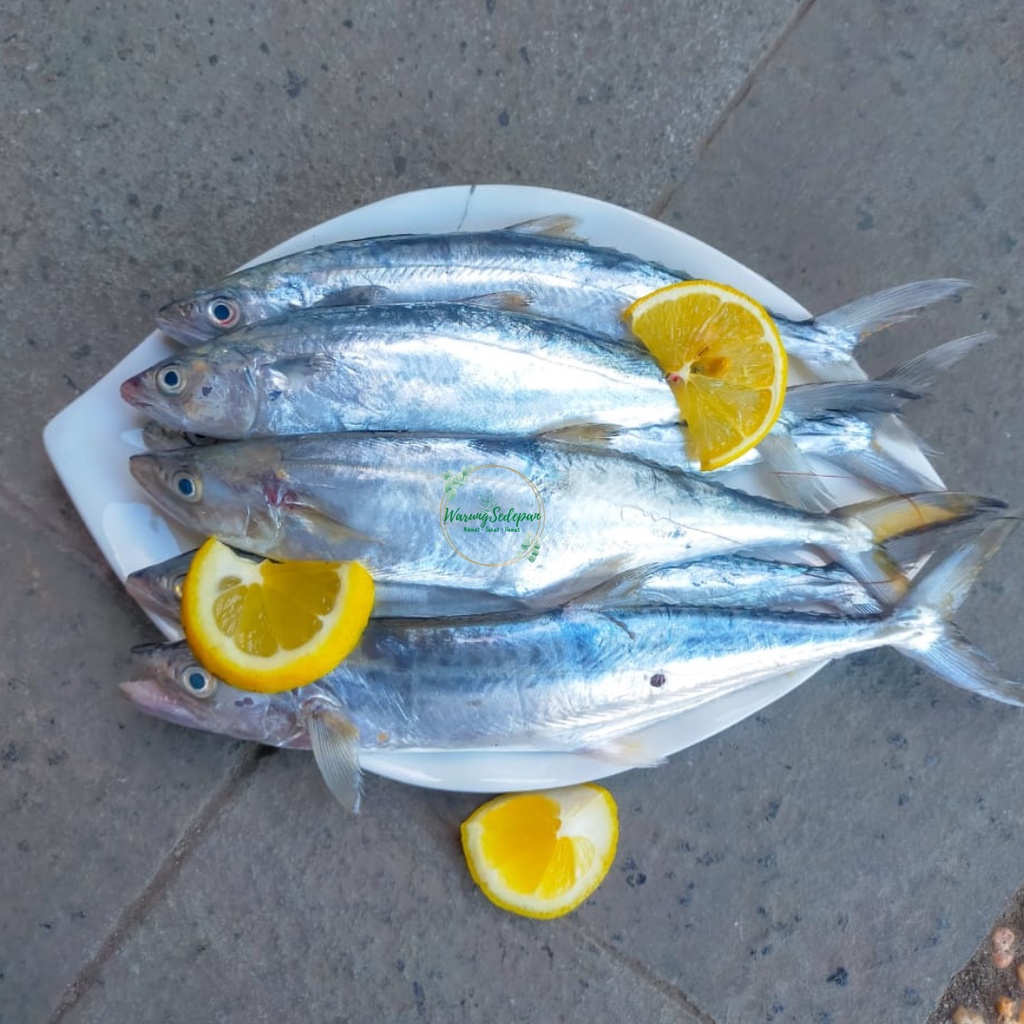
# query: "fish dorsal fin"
x,y
804,487
555,225
335,742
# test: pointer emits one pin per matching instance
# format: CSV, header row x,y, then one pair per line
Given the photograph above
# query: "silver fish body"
x,y
570,680
455,368
728,581
386,500
562,278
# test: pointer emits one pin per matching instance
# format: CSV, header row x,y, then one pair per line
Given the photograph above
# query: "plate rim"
x,y
491,770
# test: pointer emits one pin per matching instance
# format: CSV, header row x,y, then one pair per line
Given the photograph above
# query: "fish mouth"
x,y
149,696
134,392
178,319
143,596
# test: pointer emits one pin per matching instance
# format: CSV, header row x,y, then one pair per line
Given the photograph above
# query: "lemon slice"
x,y
724,361
271,626
542,854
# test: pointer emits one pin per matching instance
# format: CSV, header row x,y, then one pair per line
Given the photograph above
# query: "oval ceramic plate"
x,y
89,444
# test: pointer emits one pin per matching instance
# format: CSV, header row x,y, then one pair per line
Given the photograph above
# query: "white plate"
x,y
90,441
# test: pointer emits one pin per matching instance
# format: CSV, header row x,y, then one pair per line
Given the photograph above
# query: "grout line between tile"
x,y
134,914
658,208
642,971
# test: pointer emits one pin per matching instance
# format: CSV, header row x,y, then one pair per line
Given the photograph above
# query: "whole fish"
x,y
573,680
728,581
562,278
413,509
454,368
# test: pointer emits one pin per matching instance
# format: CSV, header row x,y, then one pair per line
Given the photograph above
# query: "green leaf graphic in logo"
x,y
453,481
532,547
487,501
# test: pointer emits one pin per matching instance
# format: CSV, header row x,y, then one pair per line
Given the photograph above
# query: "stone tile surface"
x,y
291,906
834,859
879,145
90,803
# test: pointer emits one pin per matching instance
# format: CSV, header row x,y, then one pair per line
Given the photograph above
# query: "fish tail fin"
x,y
899,516
864,316
934,598
918,374
859,397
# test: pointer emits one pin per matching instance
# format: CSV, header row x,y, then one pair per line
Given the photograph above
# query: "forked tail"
x,y
878,522
933,639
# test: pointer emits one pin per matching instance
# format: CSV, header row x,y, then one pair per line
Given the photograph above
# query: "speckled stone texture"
x,y
834,859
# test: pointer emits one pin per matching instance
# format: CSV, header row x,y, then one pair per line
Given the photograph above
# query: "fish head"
x,y
158,588
209,391
244,298
204,316
176,688
225,490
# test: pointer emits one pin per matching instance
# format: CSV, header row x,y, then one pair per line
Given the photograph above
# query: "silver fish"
x,y
562,278
394,503
454,368
574,680
157,588
723,582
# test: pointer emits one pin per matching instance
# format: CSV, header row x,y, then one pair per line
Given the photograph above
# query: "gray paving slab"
x,y
881,144
838,857
90,805
288,903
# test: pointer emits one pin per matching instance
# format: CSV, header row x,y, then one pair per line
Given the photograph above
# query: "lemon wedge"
x,y
272,626
542,854
724,360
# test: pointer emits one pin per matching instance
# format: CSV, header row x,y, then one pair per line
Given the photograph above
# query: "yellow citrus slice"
x,y
271,626
724,361
542,854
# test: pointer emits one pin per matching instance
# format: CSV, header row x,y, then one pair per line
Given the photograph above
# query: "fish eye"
x,y
178,585
197,681
223,312
171,379
187,486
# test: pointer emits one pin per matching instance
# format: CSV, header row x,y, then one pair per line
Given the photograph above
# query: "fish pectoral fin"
x,y
286,372
586,434
618,588
555,225
356,295
320,523
508,302
628,752
335,743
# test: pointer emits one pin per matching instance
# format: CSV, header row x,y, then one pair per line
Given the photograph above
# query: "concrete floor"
x,y
836,859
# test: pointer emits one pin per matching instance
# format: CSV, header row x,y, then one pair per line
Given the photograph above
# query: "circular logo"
x,y
492,515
